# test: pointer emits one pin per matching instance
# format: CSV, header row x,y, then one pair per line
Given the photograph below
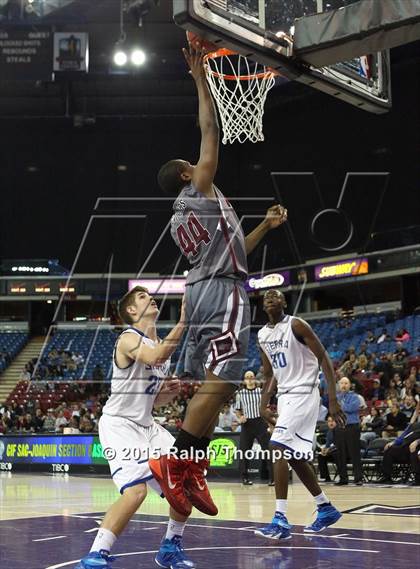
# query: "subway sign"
x,y
341,269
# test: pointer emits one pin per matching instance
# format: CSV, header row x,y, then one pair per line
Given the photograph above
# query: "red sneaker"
x,y
170,473
196,488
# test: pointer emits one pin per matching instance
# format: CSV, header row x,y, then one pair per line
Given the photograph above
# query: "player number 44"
x,y
191,234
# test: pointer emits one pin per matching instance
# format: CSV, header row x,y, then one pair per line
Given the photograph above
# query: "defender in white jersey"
x,y
129,436
292,356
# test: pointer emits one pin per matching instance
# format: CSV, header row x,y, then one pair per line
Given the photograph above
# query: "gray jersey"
x,y
209,234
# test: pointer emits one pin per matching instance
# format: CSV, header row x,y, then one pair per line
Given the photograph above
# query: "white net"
x,y
239,87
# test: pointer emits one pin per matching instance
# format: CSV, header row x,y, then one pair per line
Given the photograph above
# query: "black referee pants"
x,y
347,441
250,430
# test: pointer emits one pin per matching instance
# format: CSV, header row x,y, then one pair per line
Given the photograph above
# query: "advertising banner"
x,y
341,269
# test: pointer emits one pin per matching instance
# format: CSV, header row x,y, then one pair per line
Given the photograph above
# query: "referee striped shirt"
x,y
248,401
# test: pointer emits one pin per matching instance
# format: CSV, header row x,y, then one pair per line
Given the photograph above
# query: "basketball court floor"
x,y
49,522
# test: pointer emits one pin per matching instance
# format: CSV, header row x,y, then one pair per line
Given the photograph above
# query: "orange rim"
x,y
223,52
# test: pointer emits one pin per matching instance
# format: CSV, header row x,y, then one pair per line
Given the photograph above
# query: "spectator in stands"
x,y
377,393
16,410
385,369
345,369
86,425
408,406
363,351
98,373
98,377
30,423
66,411
23,424
260,374
372,425
39,420
400,350
398,451
392,391
6,358
328,452
75,410
353,361
74,424
409,387
347,439
383,337
25,374
370,338
350,351
402,335
414,372
49,422
227,417
6,418
236,427
60,422
78,359
362,363
397,379
396,422
3,425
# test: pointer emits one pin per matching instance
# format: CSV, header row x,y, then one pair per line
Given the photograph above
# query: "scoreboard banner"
x,y
26,53
46,449
84,453
341,269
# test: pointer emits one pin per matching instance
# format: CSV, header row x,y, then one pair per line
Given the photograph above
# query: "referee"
x,y
253,426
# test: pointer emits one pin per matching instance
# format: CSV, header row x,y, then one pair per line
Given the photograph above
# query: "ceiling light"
x,y
138,57
120,58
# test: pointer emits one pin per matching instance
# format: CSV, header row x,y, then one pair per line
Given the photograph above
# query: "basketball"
x,y
199,43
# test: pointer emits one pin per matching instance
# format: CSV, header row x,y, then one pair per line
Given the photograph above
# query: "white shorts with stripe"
x,y
128,447
296,424
219,318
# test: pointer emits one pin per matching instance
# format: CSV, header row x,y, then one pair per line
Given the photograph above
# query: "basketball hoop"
x,y
239,87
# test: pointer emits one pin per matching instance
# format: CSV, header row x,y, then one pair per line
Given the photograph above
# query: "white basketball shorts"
x,y
128,447
296,424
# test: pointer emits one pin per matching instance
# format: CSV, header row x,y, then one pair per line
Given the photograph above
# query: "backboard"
x,y
263,30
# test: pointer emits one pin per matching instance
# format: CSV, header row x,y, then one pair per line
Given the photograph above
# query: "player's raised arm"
x,y
206,167
304,333
275,216
270,386
136,350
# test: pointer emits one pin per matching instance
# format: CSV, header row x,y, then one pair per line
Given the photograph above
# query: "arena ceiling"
x,y
67,142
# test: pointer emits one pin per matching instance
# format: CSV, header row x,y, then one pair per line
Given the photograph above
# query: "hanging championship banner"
x,y
26,53
71,51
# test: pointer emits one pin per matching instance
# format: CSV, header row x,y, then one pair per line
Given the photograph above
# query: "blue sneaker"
x,y
171,555
279,528
327,516
96,560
